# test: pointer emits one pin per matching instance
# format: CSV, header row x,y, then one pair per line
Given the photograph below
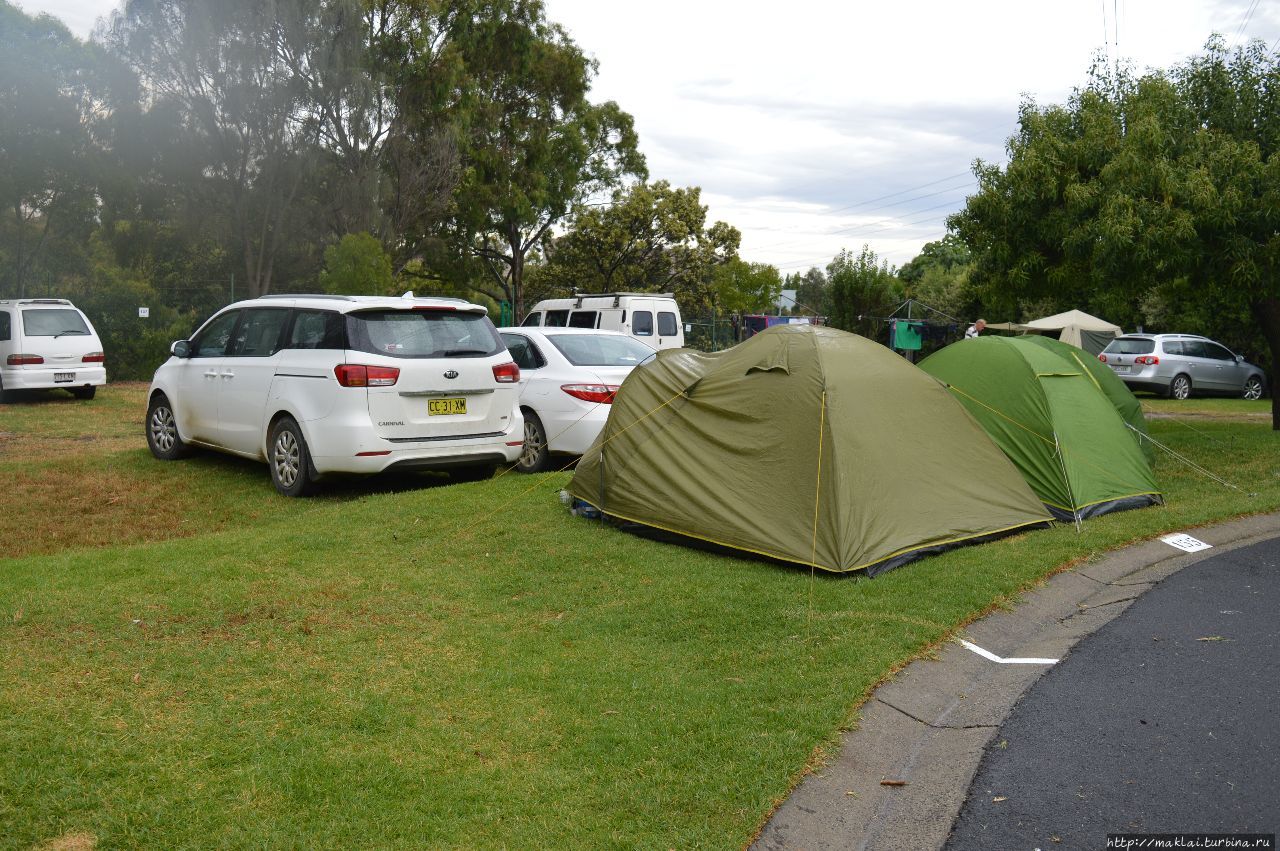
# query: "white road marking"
x,y
987,654
1186,543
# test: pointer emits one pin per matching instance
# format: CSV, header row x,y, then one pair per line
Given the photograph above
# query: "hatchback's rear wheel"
x,y
535,455
1253,388
162,430
1180,387
290,460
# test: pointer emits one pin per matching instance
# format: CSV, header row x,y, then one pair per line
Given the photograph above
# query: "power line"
x,y
1244,24
864,234
798,229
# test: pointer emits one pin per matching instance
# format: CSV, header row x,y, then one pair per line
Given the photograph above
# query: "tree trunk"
x,y
1267,312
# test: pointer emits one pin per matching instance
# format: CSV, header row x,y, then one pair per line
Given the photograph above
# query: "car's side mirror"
x,y
1239,358
181,349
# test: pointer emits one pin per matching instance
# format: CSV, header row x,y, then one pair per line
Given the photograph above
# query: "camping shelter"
x,y
1070,426
805,444
1074,327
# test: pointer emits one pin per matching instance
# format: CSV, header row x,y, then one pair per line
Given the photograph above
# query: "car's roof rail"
x,y
308,295
35,301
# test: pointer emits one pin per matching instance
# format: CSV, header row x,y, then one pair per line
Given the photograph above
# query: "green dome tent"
x,y
804,444
1064,420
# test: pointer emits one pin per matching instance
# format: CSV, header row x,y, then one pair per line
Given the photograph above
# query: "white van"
x,y
653,318
47,343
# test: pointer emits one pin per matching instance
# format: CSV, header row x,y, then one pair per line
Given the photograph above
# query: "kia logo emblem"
x,y
453,373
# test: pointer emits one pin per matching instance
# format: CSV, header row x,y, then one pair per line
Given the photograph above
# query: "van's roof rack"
x,y
578,297
35,301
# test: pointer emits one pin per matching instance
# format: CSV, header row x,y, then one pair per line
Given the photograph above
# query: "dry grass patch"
x,y
86,503
75,841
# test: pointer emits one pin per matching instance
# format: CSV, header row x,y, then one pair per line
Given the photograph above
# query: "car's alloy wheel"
x,y
163,438
534,456
1253,388
1181,387
290,461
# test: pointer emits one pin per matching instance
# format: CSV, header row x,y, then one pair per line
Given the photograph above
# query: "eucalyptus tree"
x,y
532,146
53,101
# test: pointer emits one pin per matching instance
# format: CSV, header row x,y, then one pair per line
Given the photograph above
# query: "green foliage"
x,y
742,287
357,265
861,287
110,296
52,90
939,276
1146,200
813,292
651,238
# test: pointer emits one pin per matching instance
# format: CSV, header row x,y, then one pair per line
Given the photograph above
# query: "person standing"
x,y
975,329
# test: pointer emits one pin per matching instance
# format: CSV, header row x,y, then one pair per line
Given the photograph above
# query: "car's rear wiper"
x,y
459,353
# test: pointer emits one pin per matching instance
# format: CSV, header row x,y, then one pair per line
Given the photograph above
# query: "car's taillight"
x,y
94,357
359,375
600,393
23,360
506,373
1147,360
1102,358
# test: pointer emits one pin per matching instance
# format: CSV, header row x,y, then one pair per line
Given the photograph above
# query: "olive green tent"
x,y
805,444
1064,419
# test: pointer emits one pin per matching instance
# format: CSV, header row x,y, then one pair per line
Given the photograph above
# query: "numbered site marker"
x,y
144,312
1186,543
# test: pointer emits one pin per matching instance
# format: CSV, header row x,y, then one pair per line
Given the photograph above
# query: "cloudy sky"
x,y
814,126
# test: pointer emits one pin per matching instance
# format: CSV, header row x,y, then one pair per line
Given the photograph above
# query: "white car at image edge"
x,y
568,378
48,343
315,385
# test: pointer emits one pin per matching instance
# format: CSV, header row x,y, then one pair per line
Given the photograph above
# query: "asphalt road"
x,y
1166,720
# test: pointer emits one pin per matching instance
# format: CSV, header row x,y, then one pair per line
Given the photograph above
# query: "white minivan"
x,y
47,343
342,384
652,318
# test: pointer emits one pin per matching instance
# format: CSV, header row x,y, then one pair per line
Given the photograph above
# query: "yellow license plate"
x,y
446,407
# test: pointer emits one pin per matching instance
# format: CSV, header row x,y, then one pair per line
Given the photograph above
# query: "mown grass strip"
x,y
361,674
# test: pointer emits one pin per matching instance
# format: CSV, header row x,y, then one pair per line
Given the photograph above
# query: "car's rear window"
x,y
52,322
1130,346
423,334
601,349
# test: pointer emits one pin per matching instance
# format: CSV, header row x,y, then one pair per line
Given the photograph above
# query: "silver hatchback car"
x,y
1178,365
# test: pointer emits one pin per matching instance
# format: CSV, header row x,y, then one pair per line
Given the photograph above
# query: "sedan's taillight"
x,y
94,357
23,360
506,373
600,393
1147,360
358,375
1102,358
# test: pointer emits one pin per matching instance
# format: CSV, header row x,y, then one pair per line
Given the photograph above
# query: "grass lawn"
x,y
446,666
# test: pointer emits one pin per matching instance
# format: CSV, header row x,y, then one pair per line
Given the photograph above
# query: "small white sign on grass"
x,y
1186,543
144,312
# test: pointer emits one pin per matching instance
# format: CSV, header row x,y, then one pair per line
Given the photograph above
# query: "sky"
x,y
817,126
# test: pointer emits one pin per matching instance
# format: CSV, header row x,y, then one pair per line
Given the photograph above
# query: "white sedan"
x,y
568,377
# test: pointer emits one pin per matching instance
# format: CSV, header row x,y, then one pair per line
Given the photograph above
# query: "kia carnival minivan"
x,y
47,343
342,384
